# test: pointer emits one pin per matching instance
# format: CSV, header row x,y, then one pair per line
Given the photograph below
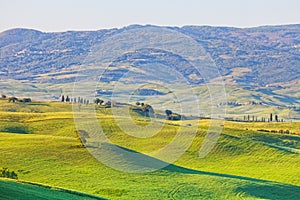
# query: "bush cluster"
x,y
4,172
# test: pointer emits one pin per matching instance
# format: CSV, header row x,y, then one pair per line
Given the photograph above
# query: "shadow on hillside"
x,y
136,161
272,191
288,141
17,128
256,188
280,97
178,169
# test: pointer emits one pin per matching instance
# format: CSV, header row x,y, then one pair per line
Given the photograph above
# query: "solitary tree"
x,y
276,118
12,99
98,101
271,117
67,99
148,110
13,175
25,100
62,98
168,113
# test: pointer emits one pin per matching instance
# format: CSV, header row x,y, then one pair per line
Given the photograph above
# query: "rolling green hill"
x,y
39,142
20,191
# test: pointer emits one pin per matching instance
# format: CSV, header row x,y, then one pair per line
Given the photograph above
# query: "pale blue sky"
x,y
62,15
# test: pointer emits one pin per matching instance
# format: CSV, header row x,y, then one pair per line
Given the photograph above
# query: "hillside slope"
x,y
20,191
245,163
270,54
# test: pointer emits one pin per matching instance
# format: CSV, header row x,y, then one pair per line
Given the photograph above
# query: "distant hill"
x,y
258,65
270,54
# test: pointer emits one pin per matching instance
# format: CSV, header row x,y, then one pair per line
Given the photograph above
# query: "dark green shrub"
x,y
4,172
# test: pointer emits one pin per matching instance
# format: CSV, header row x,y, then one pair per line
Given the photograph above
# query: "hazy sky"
x,y
62,15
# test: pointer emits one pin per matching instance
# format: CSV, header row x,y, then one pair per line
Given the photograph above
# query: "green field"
x,y
40,143
20,191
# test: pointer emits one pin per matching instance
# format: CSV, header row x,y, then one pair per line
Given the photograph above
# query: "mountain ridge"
x,y
271,53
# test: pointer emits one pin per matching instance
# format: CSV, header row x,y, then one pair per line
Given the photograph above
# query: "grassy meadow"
x,y
20,190
40,143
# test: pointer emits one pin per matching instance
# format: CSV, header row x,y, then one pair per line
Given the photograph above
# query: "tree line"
x,y
15,99
271,118
147,110
79,100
